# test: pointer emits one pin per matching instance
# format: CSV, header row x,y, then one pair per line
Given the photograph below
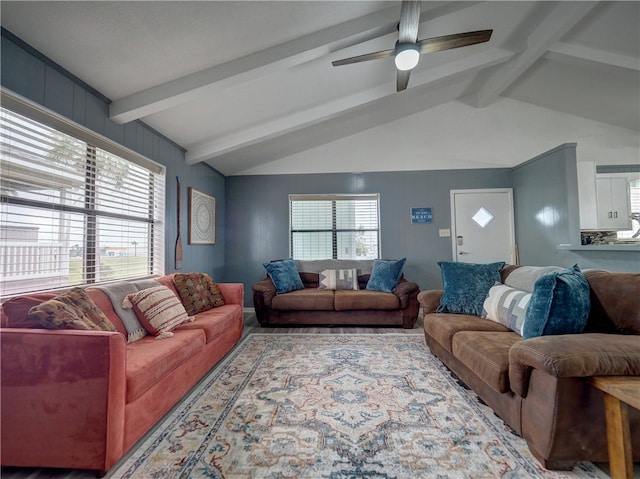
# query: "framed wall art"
x,y
202,217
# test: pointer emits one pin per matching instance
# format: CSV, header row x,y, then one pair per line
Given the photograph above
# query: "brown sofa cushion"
x,y
615,298
487,355
443,326
308,299
353,300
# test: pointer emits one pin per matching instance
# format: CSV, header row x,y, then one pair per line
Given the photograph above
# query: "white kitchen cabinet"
x,y
613,203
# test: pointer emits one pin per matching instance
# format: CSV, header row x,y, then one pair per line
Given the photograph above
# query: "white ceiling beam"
x,y
210,149
286,55
563,17
580,52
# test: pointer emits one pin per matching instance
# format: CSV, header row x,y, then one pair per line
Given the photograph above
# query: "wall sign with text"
x,y
421,215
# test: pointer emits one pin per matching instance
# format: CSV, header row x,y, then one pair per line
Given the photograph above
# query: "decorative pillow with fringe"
x,y
158,309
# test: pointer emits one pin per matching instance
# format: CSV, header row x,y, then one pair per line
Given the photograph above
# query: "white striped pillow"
x,y
158,309
338,279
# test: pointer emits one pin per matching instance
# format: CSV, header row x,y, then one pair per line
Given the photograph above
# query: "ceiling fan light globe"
x,y
407,57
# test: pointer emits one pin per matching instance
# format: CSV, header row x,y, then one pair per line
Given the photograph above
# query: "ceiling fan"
x,y
408,48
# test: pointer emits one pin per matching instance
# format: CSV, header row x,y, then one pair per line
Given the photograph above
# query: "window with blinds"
x,y
73,213
334,226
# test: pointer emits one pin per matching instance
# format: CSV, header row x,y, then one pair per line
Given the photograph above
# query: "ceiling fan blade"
x,y
402,80
364,58
409,22
457,40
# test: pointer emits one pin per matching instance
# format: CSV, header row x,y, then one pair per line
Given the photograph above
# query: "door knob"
x,y
463,252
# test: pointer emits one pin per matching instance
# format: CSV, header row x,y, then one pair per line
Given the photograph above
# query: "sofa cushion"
x,y
507,306
73,309
158,309
466,286
198,292
444,326
615,300
284,275
148,360
385,275
346,300
308,299
559,304
215,322
487,355
338,279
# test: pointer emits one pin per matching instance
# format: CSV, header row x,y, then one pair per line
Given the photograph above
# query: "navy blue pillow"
x,y
466,286
385,275
559,304
284,275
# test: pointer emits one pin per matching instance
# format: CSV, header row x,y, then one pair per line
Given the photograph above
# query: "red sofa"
x,y
81,399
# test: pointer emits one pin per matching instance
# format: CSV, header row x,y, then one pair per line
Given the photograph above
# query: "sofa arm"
x,y
233,293
573,355
263,292
430,300
405,290
62,398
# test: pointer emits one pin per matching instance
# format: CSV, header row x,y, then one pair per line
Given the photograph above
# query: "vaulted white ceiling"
x,y
248,86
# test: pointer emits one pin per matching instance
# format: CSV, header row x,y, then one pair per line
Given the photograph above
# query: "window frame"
x,y
334,230
156,197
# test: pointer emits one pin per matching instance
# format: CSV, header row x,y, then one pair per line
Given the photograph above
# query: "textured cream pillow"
x,y
158,309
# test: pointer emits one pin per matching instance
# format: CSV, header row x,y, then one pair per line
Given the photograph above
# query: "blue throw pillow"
x,y
559,304
385,275
284,275
466,286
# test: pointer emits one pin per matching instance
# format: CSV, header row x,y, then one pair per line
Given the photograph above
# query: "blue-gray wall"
x,y
547,215
546,205
30,74
258,215
252,211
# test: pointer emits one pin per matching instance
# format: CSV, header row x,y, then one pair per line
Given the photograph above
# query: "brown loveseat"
x,y
314,306
80,399
538,385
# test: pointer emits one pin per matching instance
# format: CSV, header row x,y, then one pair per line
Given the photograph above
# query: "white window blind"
x,y
72,213
334,226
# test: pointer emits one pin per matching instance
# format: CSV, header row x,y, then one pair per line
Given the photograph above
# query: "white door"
x,y
482,228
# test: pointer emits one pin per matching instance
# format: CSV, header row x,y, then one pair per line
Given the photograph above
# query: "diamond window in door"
x,y
483,217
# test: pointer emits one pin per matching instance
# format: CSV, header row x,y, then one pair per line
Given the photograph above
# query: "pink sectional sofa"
x,y
81,399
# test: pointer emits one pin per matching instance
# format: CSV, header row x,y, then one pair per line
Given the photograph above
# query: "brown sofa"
x,y
538,385
80,399
314,306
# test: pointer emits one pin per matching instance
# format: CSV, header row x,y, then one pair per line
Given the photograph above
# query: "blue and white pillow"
x,y
507,306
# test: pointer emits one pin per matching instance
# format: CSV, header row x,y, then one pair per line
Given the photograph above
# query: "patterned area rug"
x,y
334,406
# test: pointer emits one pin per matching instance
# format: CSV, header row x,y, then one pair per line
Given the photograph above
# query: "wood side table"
x,y
619,393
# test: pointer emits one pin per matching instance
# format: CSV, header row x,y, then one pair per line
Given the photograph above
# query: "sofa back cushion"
x,y
615,302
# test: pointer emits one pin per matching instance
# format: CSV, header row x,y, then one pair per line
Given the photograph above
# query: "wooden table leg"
x,y
618,438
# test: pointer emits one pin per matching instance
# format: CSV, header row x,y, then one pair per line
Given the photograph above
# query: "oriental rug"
x,y
331,406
